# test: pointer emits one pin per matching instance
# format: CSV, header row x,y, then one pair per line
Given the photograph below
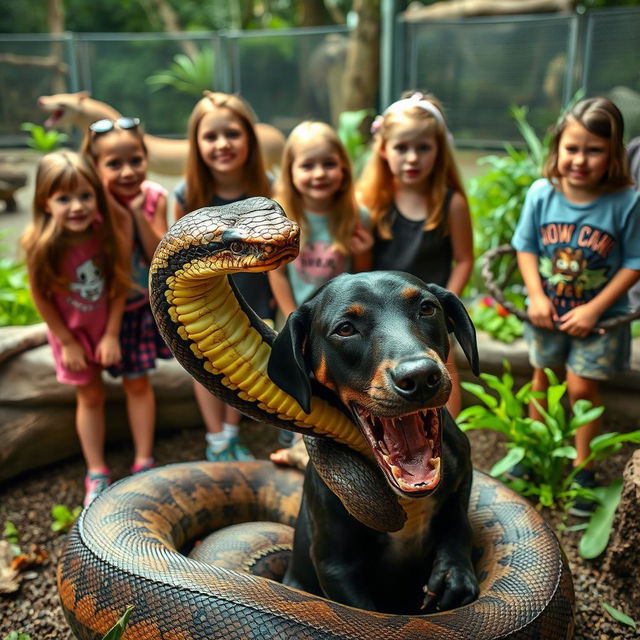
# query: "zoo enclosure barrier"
x,y
478,68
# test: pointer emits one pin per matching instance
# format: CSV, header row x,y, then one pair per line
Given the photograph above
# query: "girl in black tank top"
x,y
416,200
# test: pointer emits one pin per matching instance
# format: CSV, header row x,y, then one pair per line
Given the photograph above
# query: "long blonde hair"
x,y
376,187
43,241
602,118
201,187
344,211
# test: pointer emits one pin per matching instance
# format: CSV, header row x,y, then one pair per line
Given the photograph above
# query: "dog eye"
x,y
426,308
345,329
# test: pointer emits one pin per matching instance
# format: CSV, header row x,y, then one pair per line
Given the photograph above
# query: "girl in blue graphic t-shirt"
x,y
578,248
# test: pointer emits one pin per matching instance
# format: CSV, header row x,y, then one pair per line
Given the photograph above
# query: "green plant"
x,y
545,446
350,125
491,317
617,615
63,518
41,139
12,536
188,75
15,635
16,305
115,633
496,197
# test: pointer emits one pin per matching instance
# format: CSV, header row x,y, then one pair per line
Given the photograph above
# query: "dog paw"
x,y
450,587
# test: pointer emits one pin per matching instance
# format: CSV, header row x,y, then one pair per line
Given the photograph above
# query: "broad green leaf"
x,y
118,629
546,495
512,458
609,439
582,415
596,537
565,452
479,391
619,616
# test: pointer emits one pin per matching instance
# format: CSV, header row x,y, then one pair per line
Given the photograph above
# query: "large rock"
x,y
37,413
622,560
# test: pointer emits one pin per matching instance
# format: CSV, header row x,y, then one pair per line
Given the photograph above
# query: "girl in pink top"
x,y
118,152
78,275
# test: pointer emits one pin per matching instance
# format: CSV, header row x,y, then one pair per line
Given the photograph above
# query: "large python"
x,y
127,547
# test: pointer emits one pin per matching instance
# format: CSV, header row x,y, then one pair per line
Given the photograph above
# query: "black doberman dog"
x,y
379,342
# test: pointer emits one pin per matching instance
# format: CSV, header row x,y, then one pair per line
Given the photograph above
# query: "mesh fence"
x,y
477,67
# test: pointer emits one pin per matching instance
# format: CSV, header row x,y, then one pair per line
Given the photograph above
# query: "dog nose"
x,y
412,378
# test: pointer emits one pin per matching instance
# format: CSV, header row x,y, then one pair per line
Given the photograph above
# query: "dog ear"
x,y
287,367
460,323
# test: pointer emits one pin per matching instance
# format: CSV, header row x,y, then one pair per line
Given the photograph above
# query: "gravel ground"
x,y
27,502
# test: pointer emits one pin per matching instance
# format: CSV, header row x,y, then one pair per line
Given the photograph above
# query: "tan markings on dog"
x,y
348,395
410,292
430,353
380,380
356,310
321,374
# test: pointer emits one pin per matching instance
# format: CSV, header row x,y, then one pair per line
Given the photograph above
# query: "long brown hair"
x,y
344,210
602,118
44,242
201,187
376,187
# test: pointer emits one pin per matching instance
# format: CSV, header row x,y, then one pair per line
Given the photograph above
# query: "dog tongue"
x,y
407,445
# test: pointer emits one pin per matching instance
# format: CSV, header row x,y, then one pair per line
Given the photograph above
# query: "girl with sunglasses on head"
x,y
78,276
224,165
118,152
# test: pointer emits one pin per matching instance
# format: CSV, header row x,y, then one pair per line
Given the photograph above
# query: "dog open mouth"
x,y
407,448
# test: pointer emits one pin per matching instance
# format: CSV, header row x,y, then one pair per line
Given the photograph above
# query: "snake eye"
x,y
345,329
426,308
236,246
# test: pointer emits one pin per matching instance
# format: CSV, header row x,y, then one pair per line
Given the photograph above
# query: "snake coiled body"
x,y
128,546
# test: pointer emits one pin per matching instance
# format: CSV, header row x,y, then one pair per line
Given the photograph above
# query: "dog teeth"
x,y
430,443
435,463
383,448
397,474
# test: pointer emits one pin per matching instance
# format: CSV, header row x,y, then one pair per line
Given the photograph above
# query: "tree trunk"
x,y
55,20
362,67
172,25
312,13
622,560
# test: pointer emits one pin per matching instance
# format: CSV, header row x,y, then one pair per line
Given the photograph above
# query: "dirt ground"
x,y
27,502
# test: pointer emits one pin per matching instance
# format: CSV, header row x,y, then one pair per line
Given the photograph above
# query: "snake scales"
x,y
127,547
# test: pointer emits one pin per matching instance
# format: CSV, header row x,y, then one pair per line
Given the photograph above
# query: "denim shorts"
x,y
598,356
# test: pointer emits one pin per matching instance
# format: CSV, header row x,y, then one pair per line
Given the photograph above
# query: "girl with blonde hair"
x,y
418,207
315,188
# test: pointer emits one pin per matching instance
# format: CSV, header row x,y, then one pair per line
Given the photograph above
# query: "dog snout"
x,y
417,377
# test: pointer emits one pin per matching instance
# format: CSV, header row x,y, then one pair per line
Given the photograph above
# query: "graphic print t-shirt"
x,y
580,246
318,261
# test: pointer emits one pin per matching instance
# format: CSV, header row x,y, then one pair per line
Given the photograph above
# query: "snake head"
x,y
251,235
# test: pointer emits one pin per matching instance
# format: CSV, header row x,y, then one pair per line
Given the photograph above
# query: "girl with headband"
x,y
418,207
